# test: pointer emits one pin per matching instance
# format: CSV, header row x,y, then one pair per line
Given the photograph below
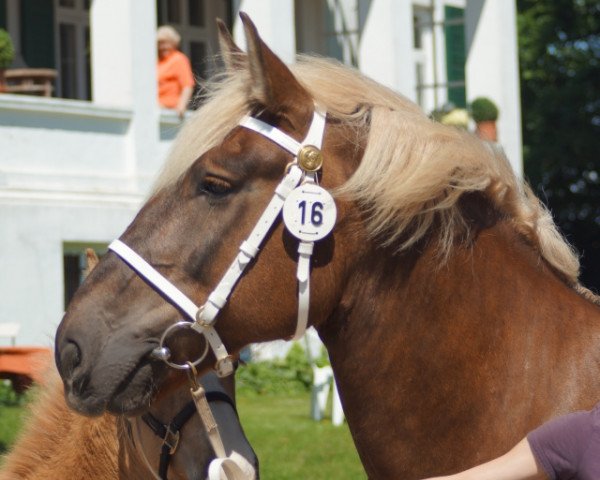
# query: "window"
x,y
454,30
439,52
3,19
335,28
68,60
73,56
38,35
196,13
198,59
173,11
75,265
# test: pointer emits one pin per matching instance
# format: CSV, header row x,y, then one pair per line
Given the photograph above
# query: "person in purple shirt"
x,y
566,448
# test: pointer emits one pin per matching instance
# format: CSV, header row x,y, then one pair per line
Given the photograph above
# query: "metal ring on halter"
x,y
185,366
199,320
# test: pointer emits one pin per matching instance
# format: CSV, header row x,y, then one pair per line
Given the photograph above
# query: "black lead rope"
x,y
170,433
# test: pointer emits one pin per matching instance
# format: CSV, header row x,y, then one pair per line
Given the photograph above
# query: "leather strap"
x,y
169,433
208,419
232,467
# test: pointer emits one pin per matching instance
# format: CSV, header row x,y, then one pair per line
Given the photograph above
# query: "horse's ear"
x,y
233,57
272,83
92,261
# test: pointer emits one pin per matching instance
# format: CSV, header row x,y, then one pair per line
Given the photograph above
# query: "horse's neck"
x,y
58,443
487,340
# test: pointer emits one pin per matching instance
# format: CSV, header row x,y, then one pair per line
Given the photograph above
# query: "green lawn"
x,y
288,443
10,423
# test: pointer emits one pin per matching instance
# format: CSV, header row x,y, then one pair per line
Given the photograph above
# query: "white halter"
x,y
204,317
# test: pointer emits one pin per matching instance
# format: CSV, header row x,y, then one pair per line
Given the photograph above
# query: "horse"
x,y
59,443
447,299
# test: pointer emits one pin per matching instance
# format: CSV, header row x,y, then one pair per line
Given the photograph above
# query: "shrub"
x,y
9,398
290,375
484,110
7,51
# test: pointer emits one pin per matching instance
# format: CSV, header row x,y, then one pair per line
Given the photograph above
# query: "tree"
x,y
559,50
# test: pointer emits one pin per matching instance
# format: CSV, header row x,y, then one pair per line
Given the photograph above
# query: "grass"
x,y
10,424
288,443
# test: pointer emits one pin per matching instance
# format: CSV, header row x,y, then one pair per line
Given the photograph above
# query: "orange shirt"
x,y
174,74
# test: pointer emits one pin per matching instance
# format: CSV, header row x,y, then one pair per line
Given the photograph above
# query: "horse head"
x,y
170,440
207,201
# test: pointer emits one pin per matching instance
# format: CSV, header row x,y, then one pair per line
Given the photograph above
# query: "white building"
x,y
75,168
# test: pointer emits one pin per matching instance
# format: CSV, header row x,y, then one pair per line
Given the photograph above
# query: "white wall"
x,y
274,20
33,231
63,178
386,46
75,171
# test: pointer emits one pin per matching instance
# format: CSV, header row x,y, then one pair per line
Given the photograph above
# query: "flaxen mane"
x,y
413,172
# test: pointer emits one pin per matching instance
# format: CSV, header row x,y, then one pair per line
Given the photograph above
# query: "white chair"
x,y
10,330
320,391
322,380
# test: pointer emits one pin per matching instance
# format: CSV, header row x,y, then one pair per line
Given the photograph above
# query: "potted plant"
x,y
7,54
485,114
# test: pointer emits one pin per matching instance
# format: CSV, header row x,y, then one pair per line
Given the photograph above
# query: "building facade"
x,y
76,167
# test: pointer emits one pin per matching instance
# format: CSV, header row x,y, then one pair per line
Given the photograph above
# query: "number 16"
x,y
316,213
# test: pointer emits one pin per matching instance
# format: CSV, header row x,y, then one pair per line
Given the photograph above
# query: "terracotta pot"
x,y
487,131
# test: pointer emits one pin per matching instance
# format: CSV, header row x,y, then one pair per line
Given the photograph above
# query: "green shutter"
x,y
37,33
3,14
455,56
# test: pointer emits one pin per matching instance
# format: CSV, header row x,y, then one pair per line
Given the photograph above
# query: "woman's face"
x,y
165,47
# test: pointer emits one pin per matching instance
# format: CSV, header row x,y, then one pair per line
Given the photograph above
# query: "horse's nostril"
x,y
70,358
80,384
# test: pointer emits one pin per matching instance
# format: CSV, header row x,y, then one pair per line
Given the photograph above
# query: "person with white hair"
x,y
175,78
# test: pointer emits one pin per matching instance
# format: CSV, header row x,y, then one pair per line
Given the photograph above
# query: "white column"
x,y
275,22
386,46
493,68
123,42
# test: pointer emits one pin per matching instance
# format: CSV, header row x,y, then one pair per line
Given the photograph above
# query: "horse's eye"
x,y
214,186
